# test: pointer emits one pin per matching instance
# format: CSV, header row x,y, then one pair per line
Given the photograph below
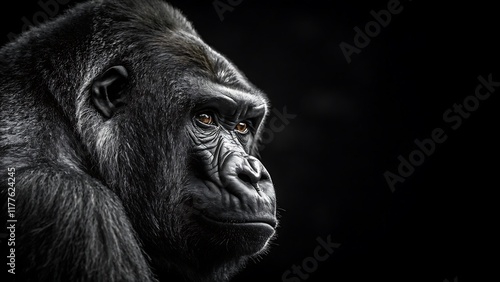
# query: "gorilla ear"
x,y
107,90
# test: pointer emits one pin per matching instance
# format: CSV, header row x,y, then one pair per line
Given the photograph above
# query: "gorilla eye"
x,y
205,118
242,128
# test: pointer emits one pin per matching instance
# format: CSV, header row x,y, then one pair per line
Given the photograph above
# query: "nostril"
x,y
264,177
245,178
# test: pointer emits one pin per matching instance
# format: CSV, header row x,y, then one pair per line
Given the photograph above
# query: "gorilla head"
x,y
125,99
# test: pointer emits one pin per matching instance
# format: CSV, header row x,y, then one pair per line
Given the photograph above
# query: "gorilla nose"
x,y
251,171
241,171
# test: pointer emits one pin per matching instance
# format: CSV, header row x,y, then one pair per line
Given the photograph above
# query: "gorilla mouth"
x,y
229,216
257,222
239,236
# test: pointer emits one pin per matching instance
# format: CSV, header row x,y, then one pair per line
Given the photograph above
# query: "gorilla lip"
x,y
257,221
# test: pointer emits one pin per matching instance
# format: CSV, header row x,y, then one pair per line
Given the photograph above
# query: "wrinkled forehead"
x,y
227,95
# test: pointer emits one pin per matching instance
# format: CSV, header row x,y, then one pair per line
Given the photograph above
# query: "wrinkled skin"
x,y
234,193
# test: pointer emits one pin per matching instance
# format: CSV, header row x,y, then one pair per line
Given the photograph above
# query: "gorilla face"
x,y
232,191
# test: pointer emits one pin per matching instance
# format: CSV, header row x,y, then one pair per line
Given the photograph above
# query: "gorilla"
x,y
134,147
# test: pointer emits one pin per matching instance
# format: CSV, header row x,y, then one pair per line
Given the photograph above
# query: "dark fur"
x,y
98,200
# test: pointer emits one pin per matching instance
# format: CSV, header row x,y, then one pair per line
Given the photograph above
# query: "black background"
x,y
354,120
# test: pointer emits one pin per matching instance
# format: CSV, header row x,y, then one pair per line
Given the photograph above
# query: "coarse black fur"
x,y
104,193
